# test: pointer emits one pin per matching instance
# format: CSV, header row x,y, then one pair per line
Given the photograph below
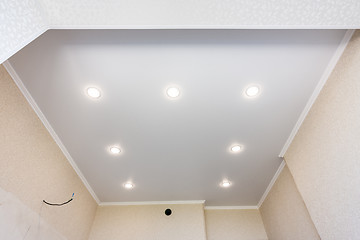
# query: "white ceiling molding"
x,y
151,203
330,67
20,23
47,125
230,207
271,184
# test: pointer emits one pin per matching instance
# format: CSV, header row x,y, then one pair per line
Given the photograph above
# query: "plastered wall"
x,y
324,157
284,213
234,224
148,222
33,168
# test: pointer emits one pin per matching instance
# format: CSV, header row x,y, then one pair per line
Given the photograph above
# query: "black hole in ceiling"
x,y
168,212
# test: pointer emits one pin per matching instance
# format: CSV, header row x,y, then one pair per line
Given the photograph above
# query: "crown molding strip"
x,y
47,125
230,207
271,184
151,203
330,67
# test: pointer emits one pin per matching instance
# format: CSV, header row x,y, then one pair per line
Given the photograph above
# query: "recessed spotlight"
x,y
173,92
115,150
93,92
225,184
252,91
128,185
236,148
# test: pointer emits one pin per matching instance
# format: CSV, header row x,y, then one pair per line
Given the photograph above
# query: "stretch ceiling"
x,y
175,149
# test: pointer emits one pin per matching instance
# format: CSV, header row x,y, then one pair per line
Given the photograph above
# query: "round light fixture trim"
x,y
236,148
115,150
252,91
173,92
225,184
128,185
93,92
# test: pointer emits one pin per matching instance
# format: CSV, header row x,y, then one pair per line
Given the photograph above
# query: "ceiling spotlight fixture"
x,y
236,148
173,92
93,92
225,184
129,185
252,91
115,150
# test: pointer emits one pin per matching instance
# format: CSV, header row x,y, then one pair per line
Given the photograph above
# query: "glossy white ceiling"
x,y
175,149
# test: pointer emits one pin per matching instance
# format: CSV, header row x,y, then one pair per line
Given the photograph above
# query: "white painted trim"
x,y
210,26
47,125
14,50
230,207
330,67
271,184
151,203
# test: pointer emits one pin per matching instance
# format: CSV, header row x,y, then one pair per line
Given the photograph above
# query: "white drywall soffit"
x,y
23,21
20,23
203,13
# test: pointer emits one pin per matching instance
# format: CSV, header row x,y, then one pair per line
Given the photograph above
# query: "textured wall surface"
x,y
20,22
148,222
33,168
234,225
324,157
284,213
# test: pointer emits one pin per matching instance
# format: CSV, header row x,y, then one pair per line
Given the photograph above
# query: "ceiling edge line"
x,y
324,77
271,184
21,45
47,125
230,207
202,26
151,203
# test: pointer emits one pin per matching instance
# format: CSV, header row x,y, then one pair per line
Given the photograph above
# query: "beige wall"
x,y
33,168
324,157
284,213
234,225
148,222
